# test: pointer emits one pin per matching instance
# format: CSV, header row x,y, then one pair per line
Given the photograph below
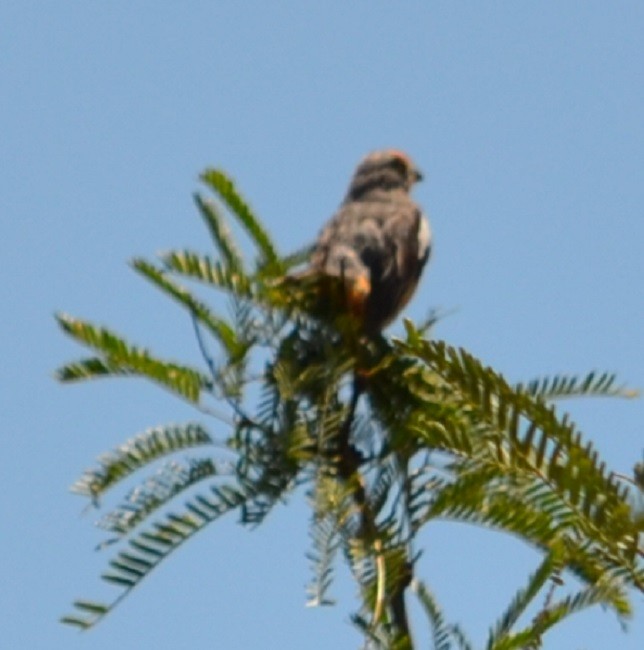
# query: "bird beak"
x,y
417,175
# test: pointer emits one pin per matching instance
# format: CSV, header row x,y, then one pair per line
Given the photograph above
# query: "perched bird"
x,y
378,241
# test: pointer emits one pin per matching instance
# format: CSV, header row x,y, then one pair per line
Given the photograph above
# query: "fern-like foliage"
x,y
215,221
445,636
136,453
386,435
147,549
528,471
120,358
563,386
220,182
223,331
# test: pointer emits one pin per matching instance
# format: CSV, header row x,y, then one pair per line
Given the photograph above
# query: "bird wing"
x,y
382,245
408,231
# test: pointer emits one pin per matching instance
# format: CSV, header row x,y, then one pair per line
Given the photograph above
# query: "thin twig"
x,y
214,373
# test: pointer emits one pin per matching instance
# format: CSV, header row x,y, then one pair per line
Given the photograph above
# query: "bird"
x,y
378,242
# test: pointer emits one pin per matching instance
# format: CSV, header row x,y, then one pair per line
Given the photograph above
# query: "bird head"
x,y
389,169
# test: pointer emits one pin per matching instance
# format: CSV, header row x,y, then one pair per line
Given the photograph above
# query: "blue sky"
x,y
528,121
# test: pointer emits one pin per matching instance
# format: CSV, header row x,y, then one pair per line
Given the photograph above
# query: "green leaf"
x,y
138,452
220,233
133,565
82,623
89,368
218,327
121,358
93,613
609,592
563,386
549,567
566,465
170,480
442,632
325,533
204,269
298,257
91,607
223,186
